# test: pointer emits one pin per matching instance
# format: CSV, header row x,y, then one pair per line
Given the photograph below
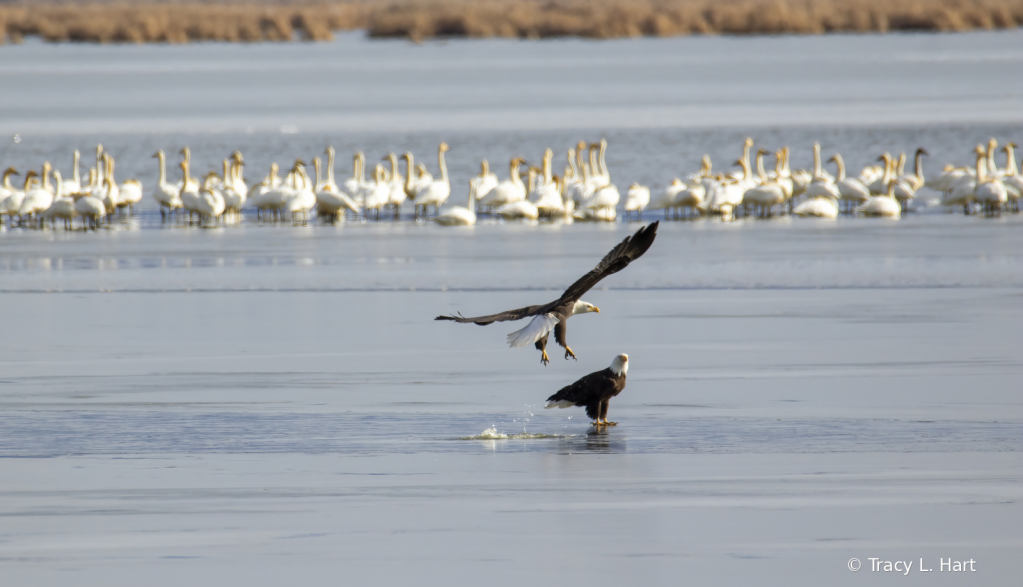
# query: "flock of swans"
x,y
584,191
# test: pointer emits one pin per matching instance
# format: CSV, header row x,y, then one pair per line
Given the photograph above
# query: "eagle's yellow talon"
x,y
545,359
569,353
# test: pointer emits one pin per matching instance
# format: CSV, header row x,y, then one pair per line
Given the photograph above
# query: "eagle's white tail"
x,y
537,328
561,403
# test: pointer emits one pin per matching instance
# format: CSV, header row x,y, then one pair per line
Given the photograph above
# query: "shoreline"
x,y
420,20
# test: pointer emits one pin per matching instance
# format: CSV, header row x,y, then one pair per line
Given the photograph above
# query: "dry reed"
x,y
284,20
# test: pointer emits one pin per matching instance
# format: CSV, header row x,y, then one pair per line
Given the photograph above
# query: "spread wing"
x,y
619,258
517,314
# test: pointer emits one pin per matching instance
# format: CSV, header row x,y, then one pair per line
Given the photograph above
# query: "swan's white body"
x,y
330,199
509,190
436,192
210,202
485,181
520,210
604,197
885,206
167,194
457,215
379,195
74,184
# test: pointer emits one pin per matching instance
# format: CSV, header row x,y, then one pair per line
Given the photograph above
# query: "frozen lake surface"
x,y
269,405
265,405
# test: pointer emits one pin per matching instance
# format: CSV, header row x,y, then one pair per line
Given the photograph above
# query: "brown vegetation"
x,y
284,20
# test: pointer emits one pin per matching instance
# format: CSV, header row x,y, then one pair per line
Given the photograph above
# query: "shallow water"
x,y
266,405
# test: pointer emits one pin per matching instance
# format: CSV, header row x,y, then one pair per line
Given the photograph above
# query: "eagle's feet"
x,y
544,358
569,353
609,423
604,423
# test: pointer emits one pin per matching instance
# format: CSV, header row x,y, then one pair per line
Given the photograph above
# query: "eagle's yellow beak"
x,y
596,309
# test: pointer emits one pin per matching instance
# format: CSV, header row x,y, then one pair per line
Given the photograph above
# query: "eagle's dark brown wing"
x,y
517,314
619,258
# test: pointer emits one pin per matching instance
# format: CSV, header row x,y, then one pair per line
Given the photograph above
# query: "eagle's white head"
x,y
620,366
582,307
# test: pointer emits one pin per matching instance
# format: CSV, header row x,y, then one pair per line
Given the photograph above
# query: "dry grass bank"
x,y
144,22
178,21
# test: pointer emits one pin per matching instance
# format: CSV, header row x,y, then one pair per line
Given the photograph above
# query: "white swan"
x,y
63,207
166,194
210,202
354,184
396,196
457,215
129,192
666,199
74,184
189,193
379,195
886,205
767,194
331,201
304,198
851,191
606,196
10,196
437,192
822,194
636,200
39,198
1012,180
90,208
509,190
486,180
234,192
552,201
258,192
989,192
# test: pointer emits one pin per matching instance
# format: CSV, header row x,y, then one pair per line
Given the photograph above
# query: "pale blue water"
x,y
264,405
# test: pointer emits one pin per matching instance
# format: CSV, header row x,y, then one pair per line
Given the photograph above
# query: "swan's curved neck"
x,y
887,177
918,165
1010,164
316,166
603,162
981,167
760,168
408,171
185,179
160,157
594,166
443,166
330,166
841,167
394,167
571,163
472,197
77,175
816,160
514,173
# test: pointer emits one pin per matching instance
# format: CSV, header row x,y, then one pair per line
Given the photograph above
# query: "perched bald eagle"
x,y
554,316
594,391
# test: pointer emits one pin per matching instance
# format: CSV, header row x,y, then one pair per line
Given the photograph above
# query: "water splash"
x,y
492,434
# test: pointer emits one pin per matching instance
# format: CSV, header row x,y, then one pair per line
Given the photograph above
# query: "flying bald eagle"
x,y
594,391
554,316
